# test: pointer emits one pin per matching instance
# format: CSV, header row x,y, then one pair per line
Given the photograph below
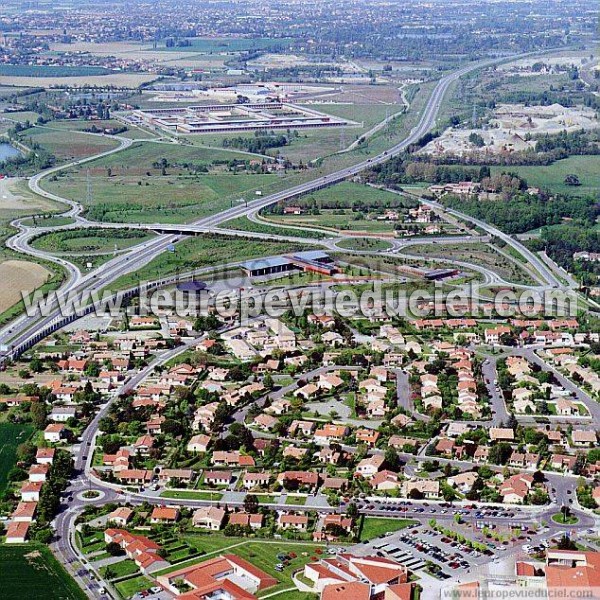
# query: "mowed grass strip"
x,y
32,572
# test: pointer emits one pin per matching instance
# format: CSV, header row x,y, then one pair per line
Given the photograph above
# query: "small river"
x,y
7,151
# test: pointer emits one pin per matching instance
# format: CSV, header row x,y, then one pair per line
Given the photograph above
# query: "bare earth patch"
x,y
130,80
14,195
17,276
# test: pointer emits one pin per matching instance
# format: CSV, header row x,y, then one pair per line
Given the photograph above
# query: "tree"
x,y
251,503
26,452
92,369
114,549
38,414
391,458
43,536
36,365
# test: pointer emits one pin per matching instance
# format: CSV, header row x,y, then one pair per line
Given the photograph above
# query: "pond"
x,y
7,151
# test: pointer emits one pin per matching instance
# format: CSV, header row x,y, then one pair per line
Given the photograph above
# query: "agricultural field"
x,y
15,196
32,572
20,276
50,71
90,240
127,80
552,177
11,435
66,145
135,186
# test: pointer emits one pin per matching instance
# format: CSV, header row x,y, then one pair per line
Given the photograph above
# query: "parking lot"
x,y
422,547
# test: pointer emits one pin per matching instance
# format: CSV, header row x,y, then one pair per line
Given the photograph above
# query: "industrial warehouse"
x,y
314,261
215,118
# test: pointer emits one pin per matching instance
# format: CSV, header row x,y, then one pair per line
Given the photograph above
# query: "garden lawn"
x,y
120,569
130,587
373,527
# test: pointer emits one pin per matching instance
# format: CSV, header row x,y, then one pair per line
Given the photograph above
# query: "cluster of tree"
x,y
259,144
410,169
524,212
575,142
563,241
57,481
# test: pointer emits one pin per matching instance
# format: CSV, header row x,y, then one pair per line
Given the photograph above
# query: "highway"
x,y
23,331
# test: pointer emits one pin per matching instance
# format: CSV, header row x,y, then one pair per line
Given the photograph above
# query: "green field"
x,y
197,252
120,569
11,435
229,44
49,221
245,224
552,177
67,145
361,243
335,208
50,71
91,240
32,572
131,186
373,527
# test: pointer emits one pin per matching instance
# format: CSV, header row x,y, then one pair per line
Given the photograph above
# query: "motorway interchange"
x,y
25,331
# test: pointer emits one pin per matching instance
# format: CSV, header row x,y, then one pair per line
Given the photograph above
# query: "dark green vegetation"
x,y
11,435
523,212
225,44
563,241
259,144
32,572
